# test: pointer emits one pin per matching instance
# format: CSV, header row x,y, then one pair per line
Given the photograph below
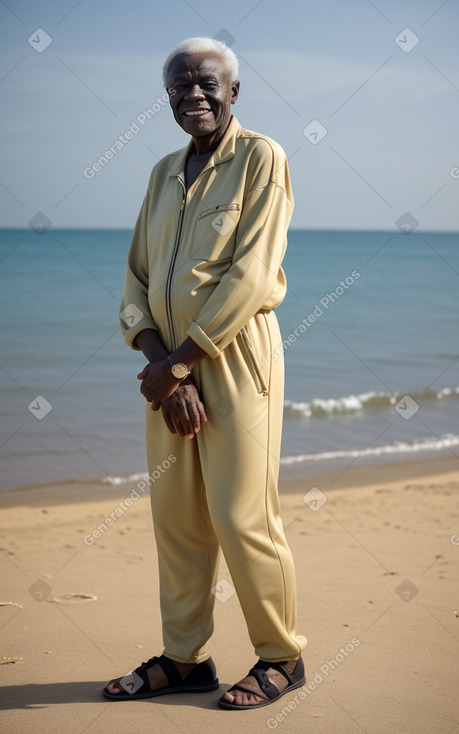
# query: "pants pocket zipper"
x,y
252,362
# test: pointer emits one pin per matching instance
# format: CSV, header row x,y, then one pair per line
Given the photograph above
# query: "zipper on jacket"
x,y
171,268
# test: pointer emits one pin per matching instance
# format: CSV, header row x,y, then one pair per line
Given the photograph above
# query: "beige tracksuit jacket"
x,y
206,263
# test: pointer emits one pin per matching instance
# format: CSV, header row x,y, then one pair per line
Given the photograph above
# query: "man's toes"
x,y
113,686
229,697
253,699
240,699
246,699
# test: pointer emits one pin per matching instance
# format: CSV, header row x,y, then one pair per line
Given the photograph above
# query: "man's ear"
x,y
234,91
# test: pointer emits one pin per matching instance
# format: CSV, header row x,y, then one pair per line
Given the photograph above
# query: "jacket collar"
x,y
224,152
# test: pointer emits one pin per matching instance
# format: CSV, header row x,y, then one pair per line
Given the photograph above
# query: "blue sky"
x,y
389,108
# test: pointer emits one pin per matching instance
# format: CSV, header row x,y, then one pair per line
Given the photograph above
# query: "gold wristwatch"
x,y
179,370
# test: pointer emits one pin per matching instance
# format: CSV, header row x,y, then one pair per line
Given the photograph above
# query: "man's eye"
x,y
180,88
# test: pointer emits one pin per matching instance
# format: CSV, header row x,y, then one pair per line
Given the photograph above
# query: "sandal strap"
x,y
170,671
237,687
263,665
266,687
267,690
130,680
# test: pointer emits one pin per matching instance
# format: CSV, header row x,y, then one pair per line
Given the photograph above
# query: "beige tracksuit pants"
x,y
221,492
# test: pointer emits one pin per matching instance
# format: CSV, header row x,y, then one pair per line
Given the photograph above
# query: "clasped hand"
x,y
180,403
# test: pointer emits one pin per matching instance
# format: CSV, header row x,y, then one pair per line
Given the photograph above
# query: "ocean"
x,y
369,325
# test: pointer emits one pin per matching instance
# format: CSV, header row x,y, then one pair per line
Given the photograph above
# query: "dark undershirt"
x,y
193,167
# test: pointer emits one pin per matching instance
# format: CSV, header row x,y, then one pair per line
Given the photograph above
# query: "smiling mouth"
x,y
196,113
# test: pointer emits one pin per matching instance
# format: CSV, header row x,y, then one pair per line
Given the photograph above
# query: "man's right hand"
x,y
184,412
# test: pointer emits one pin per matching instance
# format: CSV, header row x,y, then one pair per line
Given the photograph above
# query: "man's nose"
x,y
195,93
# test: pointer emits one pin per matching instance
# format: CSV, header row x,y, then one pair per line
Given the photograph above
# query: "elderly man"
x,y
203,277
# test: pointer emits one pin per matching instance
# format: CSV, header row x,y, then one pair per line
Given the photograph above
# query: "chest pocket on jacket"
x,y
213,236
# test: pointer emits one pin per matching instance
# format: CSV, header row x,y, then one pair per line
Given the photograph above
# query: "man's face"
x,y
201,94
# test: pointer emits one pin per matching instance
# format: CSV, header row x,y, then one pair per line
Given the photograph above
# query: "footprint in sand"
x,y
71,598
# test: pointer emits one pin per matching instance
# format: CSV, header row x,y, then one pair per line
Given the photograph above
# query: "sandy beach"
x,y
377,556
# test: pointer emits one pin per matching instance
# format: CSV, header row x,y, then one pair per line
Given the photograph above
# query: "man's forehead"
x,y
205,63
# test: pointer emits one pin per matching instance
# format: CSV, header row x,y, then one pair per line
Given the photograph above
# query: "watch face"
x,y
179,371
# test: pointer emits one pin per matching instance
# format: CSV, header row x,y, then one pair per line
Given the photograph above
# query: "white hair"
x,y
202,45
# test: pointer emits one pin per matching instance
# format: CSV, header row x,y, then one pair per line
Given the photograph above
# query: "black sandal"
x,y
294,680
136,685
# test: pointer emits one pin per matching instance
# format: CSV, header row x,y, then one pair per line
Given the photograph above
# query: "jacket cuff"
x,y
202,340
130,334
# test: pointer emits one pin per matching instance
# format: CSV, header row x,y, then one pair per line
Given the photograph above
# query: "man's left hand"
x,y
184,412
158,383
